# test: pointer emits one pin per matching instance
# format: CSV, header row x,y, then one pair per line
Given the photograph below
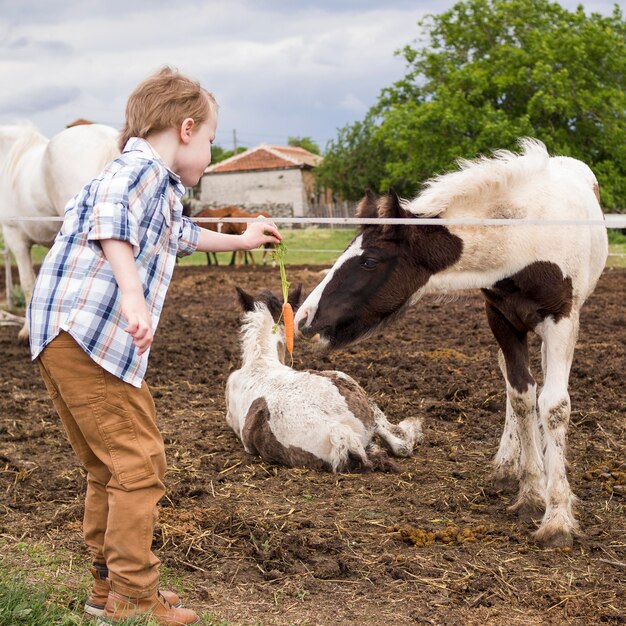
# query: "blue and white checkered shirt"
x,y
135,199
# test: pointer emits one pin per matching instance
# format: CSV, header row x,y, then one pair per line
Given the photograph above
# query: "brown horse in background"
x,y
228,228
238,228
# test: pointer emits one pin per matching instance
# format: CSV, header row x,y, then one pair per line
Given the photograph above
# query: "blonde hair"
x,y
165,100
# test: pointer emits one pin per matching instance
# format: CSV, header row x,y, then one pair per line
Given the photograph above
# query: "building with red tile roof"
x,y
267,157
278,178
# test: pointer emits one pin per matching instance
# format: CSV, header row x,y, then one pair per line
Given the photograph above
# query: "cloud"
x,y
42,99
27,47
277,68
353,104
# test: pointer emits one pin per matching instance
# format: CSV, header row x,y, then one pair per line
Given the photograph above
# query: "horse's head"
x,y
374,279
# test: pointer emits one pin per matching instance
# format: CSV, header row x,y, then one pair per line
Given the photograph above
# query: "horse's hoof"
x,y
557,538
412,429
528,510
22,336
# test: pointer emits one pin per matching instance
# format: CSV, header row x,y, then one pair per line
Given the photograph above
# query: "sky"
x,y
278,68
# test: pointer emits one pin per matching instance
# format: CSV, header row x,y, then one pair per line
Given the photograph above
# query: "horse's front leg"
x,y
558,524
20,246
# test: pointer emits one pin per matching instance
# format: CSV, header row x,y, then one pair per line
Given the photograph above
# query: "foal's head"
x,y
258,338
248,301
374,279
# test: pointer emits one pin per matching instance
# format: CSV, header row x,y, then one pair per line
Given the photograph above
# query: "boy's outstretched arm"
x,y
256,234
120,256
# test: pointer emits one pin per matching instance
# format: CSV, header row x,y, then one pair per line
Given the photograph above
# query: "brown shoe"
x,y
119,607
100,592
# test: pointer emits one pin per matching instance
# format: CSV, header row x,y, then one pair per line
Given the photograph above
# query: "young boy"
x,y
92,318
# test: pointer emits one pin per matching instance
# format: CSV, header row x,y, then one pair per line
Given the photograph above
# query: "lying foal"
x,y
321,420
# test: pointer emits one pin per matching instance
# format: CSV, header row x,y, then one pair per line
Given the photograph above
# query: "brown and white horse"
x,y
533,278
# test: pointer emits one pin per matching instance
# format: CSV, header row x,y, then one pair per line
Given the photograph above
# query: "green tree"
x,y
219,154
304,142
487,72
355,161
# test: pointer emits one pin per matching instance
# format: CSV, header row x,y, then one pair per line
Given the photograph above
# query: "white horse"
x,y
535,278
38,177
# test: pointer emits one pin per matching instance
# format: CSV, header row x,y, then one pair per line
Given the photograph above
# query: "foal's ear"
x,y
245,300
295,295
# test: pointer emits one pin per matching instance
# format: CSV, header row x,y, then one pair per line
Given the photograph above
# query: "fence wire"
x,y
612,220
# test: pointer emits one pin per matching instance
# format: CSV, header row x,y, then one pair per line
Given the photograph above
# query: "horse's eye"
x,y
369,263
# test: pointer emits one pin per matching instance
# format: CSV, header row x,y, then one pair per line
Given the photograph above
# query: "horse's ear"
x,y
391,206
368,206
245,300
295,295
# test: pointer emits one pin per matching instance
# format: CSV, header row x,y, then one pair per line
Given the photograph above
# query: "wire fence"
x,y
612,220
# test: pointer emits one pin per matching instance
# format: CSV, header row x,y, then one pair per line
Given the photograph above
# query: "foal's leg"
x,y
20,246
400,438
521,393
558,523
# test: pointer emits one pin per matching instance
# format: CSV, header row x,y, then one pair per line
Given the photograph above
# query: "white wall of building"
x,y
255,189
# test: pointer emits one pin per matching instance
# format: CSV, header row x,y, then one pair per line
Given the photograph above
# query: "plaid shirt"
x,y
135,199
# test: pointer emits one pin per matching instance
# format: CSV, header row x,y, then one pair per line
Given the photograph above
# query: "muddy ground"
x,y
258,544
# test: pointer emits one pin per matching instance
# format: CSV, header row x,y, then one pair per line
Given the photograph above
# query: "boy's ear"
x,y
186,129
245,300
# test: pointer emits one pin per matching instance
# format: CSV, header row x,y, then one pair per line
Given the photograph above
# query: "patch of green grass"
x,y
41,586
616,236
17,295
305,246
27,605
617,248
618,258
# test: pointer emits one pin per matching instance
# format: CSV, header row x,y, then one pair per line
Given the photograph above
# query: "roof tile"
x,y
267,157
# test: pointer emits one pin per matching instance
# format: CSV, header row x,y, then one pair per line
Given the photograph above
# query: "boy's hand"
x,y
259,233
139,321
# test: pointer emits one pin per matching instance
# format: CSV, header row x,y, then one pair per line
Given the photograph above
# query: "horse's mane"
x,y
29,138
478,178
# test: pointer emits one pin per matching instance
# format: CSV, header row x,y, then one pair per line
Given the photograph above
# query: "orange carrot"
x,y
288,322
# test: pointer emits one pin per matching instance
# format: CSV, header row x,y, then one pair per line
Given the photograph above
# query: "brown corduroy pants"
x,y
111,426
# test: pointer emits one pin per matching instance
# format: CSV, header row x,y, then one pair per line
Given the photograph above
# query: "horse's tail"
x,y
375,460
30,138
349,455
347,452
